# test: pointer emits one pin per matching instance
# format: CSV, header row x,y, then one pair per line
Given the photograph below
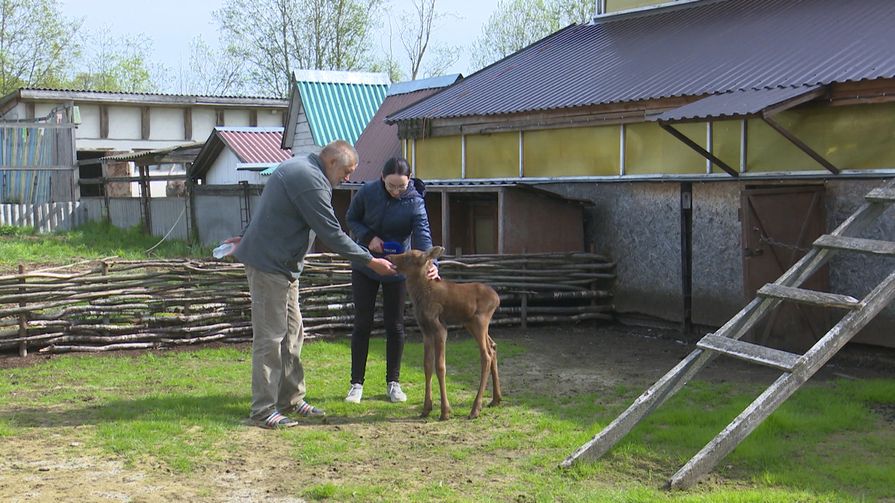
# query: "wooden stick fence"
x,y
119,304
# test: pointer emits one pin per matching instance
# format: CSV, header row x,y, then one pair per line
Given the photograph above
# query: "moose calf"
x,y
437,303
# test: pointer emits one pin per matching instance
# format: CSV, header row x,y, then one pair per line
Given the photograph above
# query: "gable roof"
x,y
694,49
379,142
256,146
338,105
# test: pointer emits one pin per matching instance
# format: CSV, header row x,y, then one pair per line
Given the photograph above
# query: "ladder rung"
x,y
872,246
881,195
809,296
750,352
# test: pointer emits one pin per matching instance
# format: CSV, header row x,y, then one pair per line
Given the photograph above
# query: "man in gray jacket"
x,y
296,200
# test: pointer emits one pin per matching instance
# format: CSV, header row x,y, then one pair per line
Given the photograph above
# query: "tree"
x,y
212,72
416,38
275,37
35,44
519,23
112,63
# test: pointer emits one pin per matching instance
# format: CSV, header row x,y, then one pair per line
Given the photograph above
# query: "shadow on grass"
x,y
222,410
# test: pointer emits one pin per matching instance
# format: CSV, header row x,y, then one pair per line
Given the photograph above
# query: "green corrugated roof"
x,y
339,111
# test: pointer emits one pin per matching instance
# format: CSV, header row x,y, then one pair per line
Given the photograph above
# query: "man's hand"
x,y
432,273
376,245
382,267
235,240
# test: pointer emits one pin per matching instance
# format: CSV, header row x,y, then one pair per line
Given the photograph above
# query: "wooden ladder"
x,y
796,368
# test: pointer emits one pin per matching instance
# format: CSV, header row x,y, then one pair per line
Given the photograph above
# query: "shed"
x,y
234,155
714,138
331,105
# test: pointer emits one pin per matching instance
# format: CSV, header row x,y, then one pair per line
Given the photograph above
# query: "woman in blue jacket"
x,y
391,210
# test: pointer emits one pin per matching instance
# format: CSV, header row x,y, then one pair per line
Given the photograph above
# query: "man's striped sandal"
x,y
276,421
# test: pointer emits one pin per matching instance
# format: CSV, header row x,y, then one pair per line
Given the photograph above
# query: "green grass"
x,y
185,411
90,241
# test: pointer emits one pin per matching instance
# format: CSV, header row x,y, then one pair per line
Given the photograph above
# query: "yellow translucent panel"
x,y
617,5
586,151
853,137
649,149
492,155
438,158
726,144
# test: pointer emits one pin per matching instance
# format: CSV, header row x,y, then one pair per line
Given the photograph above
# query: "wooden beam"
x,y
776,126
144,122
188,123
103,121
695,146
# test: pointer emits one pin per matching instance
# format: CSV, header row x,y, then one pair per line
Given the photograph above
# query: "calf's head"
x,y
415,260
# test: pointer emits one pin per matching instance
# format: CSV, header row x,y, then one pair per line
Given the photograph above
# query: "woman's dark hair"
x,y
396,166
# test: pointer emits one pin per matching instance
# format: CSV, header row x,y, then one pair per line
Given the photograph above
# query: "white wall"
x,y
303,140
223,171
203,123
89,127
166,124
270,118
236,118
125,123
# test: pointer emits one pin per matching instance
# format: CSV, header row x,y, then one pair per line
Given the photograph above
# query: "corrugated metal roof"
x,y
339,107
133,156
255,145
693,49
379,142
49,92
410,86
252,145
734,104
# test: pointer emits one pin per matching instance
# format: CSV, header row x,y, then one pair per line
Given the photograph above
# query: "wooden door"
x,y
779,225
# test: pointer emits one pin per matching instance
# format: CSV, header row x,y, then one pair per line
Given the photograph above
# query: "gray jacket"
x,y
296,200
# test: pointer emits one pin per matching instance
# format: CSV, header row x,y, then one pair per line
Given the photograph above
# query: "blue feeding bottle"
x,y
392,247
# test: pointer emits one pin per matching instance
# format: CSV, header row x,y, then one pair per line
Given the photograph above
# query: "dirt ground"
x,y
48,466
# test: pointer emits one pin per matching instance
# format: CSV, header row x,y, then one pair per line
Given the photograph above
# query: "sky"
x,y
170,25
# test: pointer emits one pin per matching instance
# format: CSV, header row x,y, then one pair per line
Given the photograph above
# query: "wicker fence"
x,y
113,304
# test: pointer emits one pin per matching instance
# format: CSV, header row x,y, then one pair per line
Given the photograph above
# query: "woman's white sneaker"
x,y
394,392
355,392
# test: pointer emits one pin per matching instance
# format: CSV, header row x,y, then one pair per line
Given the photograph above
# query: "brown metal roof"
x,y
379,141
694,49
735,104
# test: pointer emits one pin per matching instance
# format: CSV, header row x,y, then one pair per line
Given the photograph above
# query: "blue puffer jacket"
x,y
373,212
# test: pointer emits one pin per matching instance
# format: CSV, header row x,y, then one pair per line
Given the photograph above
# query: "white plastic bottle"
x,y
222,250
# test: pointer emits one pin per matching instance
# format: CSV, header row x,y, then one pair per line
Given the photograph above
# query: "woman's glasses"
x,y
395,188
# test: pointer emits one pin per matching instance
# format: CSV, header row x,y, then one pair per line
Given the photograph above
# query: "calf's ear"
x,y
435,252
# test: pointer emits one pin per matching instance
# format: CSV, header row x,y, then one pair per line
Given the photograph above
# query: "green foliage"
x,y
114,64
516,24
185,410
90,241
276,37
35,44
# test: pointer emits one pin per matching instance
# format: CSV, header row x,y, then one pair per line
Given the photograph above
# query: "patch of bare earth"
x,y
263,466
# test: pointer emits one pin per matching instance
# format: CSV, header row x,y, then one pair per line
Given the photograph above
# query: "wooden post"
x,y
524,308
23,318
145,198
105,272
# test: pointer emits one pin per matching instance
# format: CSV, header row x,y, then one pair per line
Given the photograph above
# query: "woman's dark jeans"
x,y
364,290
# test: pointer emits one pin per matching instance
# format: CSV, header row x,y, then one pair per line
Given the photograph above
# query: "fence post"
x,y
145,198
524,307
23,318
